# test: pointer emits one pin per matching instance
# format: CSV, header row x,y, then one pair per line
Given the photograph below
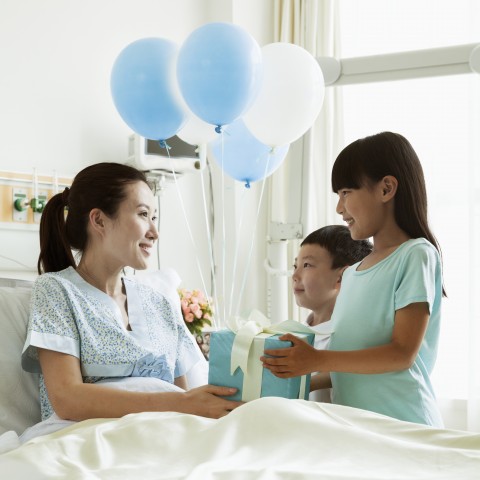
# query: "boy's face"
x,y
314,281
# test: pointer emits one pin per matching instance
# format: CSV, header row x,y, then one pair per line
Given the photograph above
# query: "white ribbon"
x,y
246,352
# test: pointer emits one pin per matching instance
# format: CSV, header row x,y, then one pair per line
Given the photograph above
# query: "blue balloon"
x,y
219,72
144,88
243,157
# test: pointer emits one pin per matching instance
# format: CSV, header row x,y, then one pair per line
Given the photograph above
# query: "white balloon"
x,y
291,95
197,132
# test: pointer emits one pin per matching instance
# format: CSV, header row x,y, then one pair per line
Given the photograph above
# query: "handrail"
x,y
453,60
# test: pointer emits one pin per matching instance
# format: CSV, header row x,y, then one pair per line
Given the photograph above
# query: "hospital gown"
x,y
71,316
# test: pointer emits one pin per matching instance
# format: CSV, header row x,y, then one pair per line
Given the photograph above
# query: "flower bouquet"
x,y
197,310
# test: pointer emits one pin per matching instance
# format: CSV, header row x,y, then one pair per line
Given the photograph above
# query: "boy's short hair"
x,y
336,239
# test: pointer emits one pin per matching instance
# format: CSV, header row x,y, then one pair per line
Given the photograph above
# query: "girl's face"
x,y
362,209
131,235
315,282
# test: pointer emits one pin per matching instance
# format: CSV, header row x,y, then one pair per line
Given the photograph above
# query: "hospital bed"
x,y
269,438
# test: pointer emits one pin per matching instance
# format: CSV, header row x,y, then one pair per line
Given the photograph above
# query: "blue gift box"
x,y
221,344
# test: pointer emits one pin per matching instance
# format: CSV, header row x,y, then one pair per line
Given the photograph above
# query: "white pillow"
x,y
19,395
165,281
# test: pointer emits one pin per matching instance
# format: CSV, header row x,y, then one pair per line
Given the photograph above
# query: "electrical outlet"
x,y
19,195
42,198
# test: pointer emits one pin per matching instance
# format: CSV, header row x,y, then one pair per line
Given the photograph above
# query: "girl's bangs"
x,y
346,172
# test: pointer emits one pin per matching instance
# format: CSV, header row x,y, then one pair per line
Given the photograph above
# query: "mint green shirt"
x,y
364,316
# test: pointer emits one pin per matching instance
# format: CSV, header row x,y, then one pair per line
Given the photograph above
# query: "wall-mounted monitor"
x,y
148,155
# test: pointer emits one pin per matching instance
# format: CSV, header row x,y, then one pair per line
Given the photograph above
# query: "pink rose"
x,y
195,307
189,317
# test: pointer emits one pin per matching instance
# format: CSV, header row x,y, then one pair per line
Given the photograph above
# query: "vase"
x,y
203,341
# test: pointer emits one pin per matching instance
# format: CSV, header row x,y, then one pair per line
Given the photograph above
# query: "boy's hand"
x,y
297,360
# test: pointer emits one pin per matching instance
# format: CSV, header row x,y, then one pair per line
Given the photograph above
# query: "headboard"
x,y
19,398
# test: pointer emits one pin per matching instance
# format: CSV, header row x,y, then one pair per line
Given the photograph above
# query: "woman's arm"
x,y
399,354
181,382
72,399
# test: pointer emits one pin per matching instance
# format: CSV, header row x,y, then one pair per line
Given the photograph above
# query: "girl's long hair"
x,y
367,160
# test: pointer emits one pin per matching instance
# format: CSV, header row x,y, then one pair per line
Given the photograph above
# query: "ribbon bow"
x,y
153,366
246,352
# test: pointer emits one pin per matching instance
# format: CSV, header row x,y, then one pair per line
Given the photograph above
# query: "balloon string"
x,y
210,248
247,265
164,144
187,223
236,255
224,236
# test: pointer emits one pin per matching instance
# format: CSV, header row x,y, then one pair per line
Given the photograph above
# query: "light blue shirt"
x,y
364,317
71,316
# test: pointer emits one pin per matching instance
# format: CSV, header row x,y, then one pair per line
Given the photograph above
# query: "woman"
x,y
89,324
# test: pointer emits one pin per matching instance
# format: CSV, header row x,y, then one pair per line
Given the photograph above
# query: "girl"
x,y
387,315
88,324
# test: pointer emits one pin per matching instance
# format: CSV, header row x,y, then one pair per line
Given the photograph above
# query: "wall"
x,y
57,114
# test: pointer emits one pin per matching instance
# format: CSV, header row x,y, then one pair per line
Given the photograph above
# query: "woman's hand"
x,y
298,360
207,401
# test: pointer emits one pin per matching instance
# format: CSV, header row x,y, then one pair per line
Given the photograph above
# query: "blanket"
x,y
268,438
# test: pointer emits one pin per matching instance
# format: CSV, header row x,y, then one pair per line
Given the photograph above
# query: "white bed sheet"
x,y
269,438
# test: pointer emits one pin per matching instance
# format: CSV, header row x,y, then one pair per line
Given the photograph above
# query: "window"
x,y
440,117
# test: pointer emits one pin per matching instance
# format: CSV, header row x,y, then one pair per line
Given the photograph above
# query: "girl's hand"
x,y
298,360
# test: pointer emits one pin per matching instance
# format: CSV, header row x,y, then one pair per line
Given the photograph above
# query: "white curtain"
x,y
473,399
300,191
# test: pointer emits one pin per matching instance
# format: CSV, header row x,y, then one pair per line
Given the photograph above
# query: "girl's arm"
x,y
399,354
74,400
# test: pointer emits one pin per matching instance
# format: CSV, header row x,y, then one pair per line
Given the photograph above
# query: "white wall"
x,y
56,111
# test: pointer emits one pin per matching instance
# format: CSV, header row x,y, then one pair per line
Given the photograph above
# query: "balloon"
x,y
290,97
219,72
197,132
145,91
244,157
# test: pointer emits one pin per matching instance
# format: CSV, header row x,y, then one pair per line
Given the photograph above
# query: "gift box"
x,y
243,370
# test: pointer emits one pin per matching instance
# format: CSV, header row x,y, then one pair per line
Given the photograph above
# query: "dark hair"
x,y
336,239
367,160
98,186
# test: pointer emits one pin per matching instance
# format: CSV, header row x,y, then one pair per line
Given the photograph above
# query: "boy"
x,y
324,255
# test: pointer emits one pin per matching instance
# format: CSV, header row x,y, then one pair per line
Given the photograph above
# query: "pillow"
x,y
19,395
165,281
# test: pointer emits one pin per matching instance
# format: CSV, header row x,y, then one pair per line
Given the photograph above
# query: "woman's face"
x,y
132,233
